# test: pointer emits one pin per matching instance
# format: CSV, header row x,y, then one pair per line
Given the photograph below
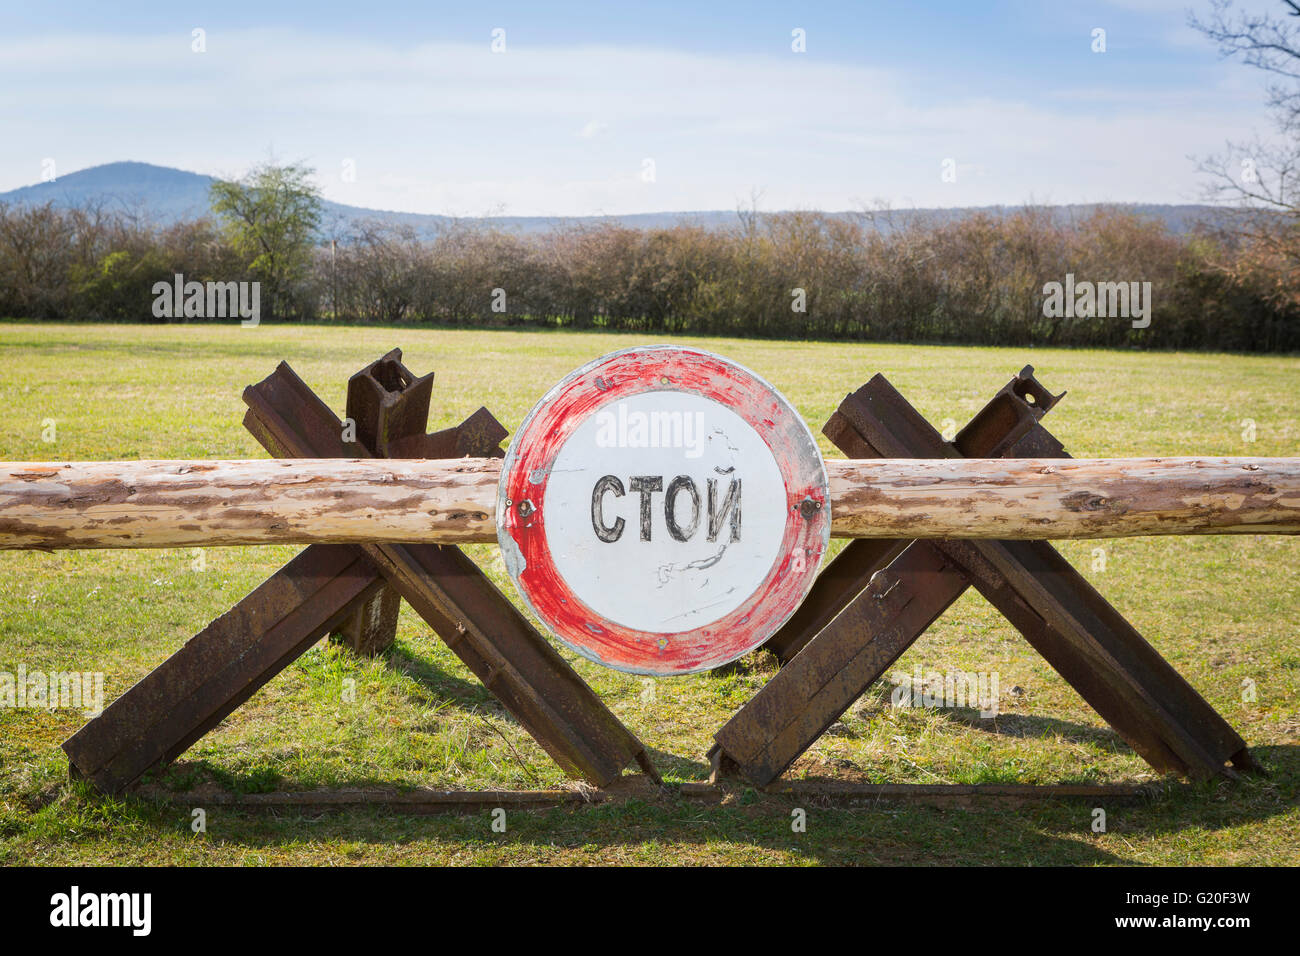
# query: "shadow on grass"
x,y
752,830
444,686
1033,725
750,826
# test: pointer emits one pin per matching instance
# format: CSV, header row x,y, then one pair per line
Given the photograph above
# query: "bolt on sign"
x,y
663,510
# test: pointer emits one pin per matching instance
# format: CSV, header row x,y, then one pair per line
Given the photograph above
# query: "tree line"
x,y
981,279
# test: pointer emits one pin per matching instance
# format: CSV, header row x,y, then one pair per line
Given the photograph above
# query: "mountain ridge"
x,y
165,195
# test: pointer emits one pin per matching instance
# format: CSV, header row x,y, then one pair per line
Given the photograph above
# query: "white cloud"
x,y
455,128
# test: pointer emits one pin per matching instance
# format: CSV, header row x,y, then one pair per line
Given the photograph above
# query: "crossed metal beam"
x,y
355,590
877,597
866,608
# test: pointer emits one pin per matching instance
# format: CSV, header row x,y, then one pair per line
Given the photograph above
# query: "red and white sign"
x,y
663,510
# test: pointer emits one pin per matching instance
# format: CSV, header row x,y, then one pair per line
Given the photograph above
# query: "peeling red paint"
x,y
619,376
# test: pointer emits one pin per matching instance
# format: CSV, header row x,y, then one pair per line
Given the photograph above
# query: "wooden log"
x,y
1042,498
167,504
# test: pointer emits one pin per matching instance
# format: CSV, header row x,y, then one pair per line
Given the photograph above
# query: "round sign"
x,y
663,510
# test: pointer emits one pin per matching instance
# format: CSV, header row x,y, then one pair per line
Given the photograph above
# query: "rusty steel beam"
x,y
159,717
328,588
464,608
389,405
386,404
1005,427
1077,631
478,436
325,589
1063,617
370,627
876,598
420,801
865,795
217,670
807,793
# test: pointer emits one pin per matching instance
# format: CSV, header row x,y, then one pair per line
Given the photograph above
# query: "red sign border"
x,y
521,531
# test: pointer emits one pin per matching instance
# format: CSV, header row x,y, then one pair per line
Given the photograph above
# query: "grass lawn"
x,y
1222,609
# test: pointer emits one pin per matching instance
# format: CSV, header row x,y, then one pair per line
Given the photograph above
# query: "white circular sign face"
x,y
663,510
687,511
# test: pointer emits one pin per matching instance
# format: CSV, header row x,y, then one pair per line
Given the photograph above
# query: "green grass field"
x,y
1222,609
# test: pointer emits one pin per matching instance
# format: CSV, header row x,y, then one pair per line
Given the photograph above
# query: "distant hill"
x,y
164,195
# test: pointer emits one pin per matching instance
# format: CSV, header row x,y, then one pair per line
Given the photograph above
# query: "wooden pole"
x,y
169,504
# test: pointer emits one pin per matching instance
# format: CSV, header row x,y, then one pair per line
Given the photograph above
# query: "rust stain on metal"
x,y
340,587
842,640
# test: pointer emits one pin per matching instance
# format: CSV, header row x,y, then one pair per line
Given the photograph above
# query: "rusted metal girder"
x,y
326,588
1007,427
451,593
639,789
853,631
338,587
386,404
176,703
865,616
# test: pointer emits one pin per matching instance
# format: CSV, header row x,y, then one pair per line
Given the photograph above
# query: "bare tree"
x,y
1259,179
1261,175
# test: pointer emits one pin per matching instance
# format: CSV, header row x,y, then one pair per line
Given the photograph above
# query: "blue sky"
x,y
406,106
